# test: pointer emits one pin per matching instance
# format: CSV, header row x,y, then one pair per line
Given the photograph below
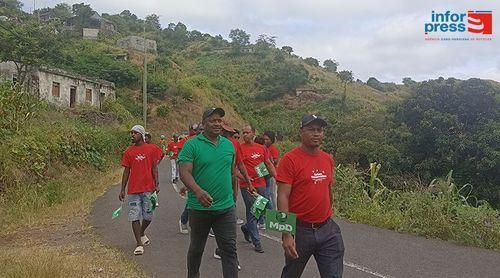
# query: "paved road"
x,y
370,252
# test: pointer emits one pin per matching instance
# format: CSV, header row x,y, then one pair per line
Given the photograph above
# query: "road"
x,y
370,252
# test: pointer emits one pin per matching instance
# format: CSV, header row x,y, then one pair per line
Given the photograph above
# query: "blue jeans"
x,y
185,215
251,224
223,223
325,244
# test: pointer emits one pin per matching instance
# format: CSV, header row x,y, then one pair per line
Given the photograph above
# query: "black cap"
x,y
212,110
308,119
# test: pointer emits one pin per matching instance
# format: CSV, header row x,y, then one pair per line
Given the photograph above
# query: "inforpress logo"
x,y
480,22
473,25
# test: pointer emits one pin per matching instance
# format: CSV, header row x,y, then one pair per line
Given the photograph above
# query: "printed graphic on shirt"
x,y
318,176
140,157
255,155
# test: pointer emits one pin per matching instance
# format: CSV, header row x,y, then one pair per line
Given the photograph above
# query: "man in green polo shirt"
x,y
206,166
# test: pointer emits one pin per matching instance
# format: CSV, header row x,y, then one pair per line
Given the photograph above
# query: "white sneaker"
x,y
261,226
211,233
183,228
216,254
239,221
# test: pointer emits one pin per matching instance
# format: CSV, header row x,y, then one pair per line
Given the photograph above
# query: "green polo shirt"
x,y
211,170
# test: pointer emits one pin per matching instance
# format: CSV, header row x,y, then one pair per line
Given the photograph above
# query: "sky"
x,y
383,39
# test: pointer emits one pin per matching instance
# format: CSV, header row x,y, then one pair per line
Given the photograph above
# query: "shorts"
x,y
139,206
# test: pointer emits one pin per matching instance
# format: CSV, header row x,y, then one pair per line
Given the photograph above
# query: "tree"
x,y
455,126
287,49
13,5
239,40
347,77
331,65
264,44
153,22
27,43
282,78
312,61
407,81
83,16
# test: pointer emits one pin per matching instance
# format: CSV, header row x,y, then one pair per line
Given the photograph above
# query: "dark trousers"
x,y
251,223
325,244
223,223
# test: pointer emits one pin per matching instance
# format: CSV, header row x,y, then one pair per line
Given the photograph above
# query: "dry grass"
x,y
57,240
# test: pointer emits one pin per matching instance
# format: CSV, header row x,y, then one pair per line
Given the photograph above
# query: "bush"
x,y
16,108
440,214
162,111
186,88
122,114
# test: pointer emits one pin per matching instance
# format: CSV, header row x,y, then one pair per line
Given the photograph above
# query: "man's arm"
x,y
288,240
186,173
125,175
270,167
234,180
155,176
244,173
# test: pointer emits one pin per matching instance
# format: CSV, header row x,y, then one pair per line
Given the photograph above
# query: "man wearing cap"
x,y
305,177
206,166
140,174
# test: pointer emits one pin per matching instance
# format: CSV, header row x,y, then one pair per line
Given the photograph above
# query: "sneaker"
x,y
246,233
211,233
259,249
183,228
239,221
217,254
239,267
261,226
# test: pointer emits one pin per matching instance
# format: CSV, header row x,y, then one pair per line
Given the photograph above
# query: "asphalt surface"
x,y
370,251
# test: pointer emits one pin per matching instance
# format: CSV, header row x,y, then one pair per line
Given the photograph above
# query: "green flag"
x,y
261,170
116,213
281,221
259,206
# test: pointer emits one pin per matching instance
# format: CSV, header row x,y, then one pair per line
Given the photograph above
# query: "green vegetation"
x,y
440,210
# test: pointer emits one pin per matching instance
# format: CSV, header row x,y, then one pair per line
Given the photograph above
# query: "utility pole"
x,y
144,82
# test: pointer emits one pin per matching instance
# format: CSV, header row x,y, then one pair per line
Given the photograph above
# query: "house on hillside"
x,y
94,26
61,87
137,43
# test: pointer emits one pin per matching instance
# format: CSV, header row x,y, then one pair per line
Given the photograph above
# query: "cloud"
x,y
372,38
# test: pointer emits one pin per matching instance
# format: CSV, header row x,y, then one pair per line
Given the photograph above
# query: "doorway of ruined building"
x,y
72,97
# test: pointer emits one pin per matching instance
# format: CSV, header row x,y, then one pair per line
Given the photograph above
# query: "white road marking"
x,y
349,264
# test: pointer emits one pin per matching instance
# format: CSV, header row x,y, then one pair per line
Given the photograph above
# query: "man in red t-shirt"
x,y
173,149
253,155
140,174
305,177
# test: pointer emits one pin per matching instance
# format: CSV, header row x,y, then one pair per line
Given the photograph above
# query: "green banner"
x,y
261,170
281,221
259,206
154,201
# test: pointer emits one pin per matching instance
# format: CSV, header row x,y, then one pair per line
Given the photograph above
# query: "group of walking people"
x,y
214,167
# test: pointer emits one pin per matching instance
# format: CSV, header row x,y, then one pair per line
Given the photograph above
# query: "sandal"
x,y
139,250
145,240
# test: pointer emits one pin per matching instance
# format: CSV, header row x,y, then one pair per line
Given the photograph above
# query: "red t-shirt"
x,y
140,160
253,155
310,177
274,152
185,140
174,147
237,149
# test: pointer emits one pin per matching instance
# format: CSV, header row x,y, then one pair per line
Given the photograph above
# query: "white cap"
x,y
140,129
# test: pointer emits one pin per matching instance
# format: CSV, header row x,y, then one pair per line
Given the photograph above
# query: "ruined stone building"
x,y
61,87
